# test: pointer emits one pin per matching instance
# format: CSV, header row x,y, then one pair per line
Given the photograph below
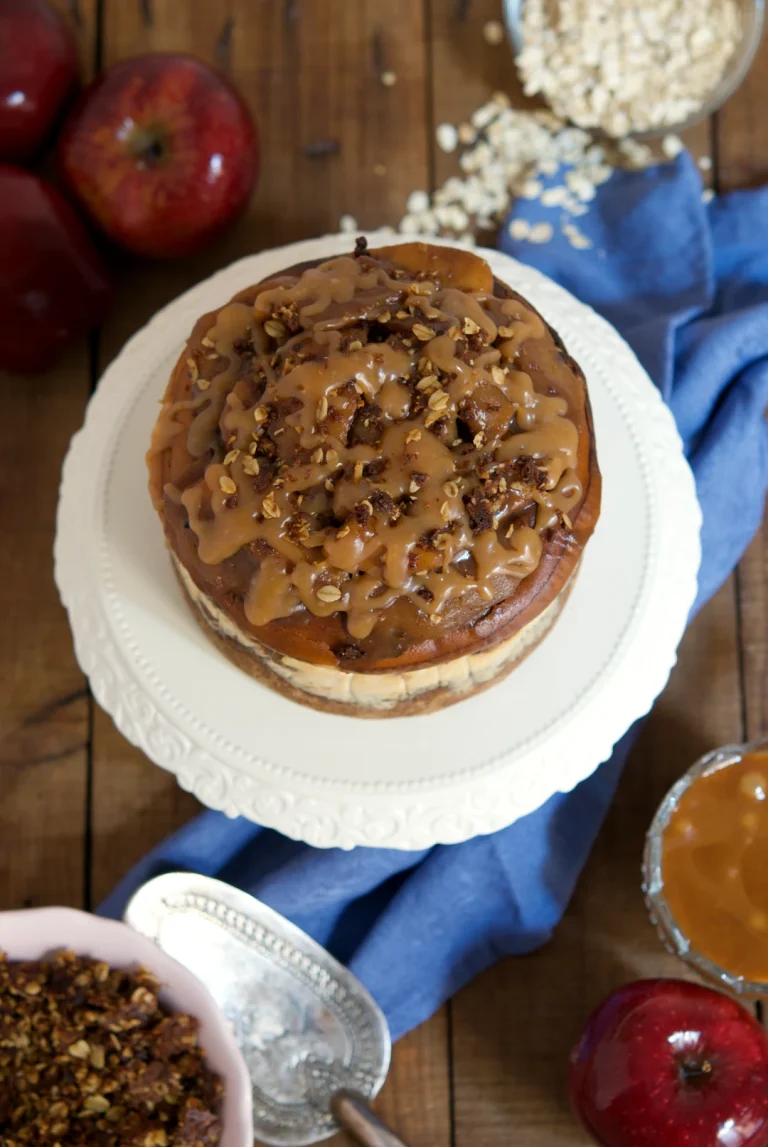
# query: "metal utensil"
x,y
315,1042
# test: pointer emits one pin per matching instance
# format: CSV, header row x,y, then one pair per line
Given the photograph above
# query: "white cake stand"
x,y
407,782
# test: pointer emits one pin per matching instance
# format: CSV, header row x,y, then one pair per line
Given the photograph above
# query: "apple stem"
x,y
696,1071
148,145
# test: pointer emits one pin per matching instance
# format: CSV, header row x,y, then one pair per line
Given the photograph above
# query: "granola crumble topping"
x,y
89,1058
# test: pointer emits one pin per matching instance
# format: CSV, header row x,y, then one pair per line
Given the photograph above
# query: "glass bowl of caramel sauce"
x,y
705,868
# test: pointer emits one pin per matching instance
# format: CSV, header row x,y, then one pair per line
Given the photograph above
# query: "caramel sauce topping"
x,y
715,865
365,433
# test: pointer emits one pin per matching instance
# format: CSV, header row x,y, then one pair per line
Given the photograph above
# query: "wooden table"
x,y
79,804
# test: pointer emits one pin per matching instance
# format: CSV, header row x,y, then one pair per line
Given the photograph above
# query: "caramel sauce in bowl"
x,y
705,868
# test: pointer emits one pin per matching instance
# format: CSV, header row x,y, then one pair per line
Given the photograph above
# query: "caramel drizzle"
x,y
283,481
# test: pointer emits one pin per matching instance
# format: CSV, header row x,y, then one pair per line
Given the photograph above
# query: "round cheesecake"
x,y
376,475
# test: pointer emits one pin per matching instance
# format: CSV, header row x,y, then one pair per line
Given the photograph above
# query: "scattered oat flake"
x,y
519,228
203,383
447,137
493,32
531,189
540,233
672,145
576,237
227,485
507,154
418,201
554,196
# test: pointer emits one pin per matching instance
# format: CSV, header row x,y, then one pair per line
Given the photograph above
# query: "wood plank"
x,y
44,705
752,582
513,1028
742,154
742,130
416,1099
311,71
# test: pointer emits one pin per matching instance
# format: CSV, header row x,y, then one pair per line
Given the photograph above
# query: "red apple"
x,y
162,152
666,1063
53,286
38,70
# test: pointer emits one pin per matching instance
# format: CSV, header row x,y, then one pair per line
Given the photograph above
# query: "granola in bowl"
x,y
89,1056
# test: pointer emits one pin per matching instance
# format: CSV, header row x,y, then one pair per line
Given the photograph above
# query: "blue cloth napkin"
x,y
687,285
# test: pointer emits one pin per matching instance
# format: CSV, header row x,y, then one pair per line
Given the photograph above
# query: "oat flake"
x,y
626,65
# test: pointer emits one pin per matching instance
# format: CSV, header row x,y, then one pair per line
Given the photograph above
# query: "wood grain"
x,y
752,582
311,73
337,140
742,130
44,704
742,161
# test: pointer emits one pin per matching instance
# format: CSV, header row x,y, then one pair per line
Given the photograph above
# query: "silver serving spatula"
x,y
316,1043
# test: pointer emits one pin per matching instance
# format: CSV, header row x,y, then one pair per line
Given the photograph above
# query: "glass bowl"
x,y
653,881
753,17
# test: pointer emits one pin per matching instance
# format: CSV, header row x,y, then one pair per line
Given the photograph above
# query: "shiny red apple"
x,y
162,152
666,1063
53,286
38,71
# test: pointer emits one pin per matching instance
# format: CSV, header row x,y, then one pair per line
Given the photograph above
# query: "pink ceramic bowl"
x,y
31,934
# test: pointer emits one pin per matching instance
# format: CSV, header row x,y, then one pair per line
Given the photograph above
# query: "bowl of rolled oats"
x,y
105,1041
626,67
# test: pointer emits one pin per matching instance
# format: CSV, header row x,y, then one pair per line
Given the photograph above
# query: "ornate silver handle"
x,y
353,1113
